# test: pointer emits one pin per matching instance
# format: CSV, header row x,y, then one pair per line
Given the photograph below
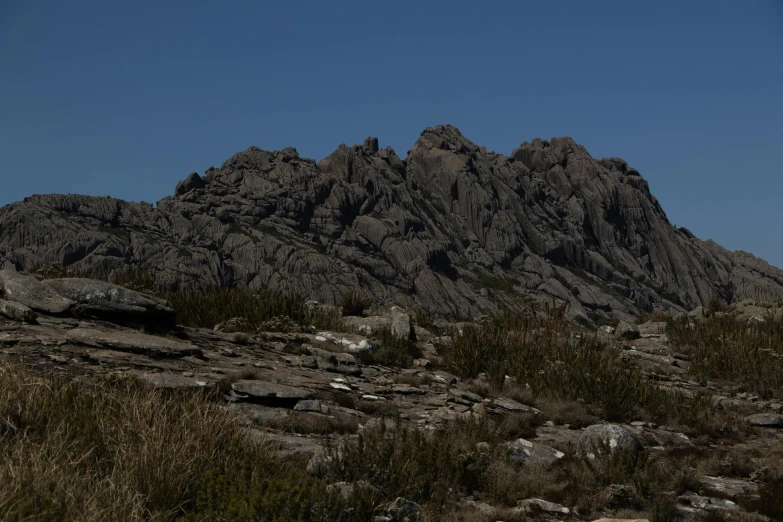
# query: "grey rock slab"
x,y
536,505
707,503
30,292
404,389
133,342
522,450
765,420
103,299
17,312
465,395
270,392
730,488
335,362
504,405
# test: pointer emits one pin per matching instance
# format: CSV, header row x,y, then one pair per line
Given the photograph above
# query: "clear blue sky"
x,y
127,98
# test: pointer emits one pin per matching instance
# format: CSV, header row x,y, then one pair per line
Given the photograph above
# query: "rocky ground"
x,y
302,389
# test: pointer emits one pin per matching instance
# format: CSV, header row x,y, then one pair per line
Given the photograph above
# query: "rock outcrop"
x,y
452,228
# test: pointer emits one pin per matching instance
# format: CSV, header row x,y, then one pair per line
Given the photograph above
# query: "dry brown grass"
x,y
730,349
115,450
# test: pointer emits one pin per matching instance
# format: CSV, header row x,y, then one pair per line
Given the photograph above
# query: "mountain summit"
x,y
452,228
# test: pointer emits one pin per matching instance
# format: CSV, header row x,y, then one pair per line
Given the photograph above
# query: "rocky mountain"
x,y
452,228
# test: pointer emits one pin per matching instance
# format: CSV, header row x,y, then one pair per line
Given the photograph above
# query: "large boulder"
x,y
30,292
106,300
401,324
17,312
606,440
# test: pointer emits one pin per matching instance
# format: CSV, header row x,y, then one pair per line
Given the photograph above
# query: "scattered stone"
x,y
707,503
341,387
765,420
626,331
309,405
17,312
607,439
334,362
522,450
445,378
421,363
536,505
403,510
32,293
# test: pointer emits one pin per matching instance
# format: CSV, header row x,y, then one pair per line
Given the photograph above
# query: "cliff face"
x,y
451,228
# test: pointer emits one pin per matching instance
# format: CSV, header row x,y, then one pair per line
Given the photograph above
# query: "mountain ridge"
x,y
451,228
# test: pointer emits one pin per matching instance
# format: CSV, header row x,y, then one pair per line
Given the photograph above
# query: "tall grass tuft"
x,y
727,348
118,451
541,352
208,308
354,302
